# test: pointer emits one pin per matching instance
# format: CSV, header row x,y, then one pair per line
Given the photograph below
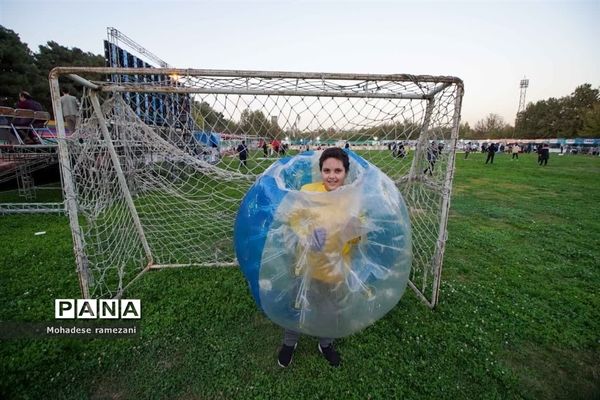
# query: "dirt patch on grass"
x,y
109,389
553,373
549,219
513,186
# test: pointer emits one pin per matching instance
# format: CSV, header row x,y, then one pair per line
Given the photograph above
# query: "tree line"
x,y
575,115
22,69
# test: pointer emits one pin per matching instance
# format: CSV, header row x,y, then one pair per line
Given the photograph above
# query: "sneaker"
x,y
330,355
284,358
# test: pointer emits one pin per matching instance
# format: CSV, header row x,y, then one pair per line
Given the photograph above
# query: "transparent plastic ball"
x,y
325,264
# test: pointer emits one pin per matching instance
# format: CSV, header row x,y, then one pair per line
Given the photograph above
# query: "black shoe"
x,y
284,358
330,355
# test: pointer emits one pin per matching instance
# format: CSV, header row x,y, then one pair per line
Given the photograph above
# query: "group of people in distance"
x,y
433,151
543,152
275,148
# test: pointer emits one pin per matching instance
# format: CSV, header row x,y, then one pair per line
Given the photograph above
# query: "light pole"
x,y
523,85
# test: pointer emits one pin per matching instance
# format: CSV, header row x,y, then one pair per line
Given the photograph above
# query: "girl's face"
x,y
333,173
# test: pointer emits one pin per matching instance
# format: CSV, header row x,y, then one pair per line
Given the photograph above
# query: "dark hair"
x,y
65,91
337,153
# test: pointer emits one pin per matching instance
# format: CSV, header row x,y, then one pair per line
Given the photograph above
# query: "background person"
x,y
544,154
515,151
26,102
491,152
242,151
70,109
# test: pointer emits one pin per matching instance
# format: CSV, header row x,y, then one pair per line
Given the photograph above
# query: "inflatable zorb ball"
x,y
325,264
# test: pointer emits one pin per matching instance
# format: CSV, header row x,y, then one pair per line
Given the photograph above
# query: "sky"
x,y
490,45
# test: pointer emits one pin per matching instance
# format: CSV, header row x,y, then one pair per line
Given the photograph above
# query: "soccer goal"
x,y
153,178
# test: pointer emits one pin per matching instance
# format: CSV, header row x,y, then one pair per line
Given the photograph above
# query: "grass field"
x,y
519,312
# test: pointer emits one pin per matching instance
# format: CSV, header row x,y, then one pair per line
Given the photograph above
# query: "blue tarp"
x,y
580,141
211,139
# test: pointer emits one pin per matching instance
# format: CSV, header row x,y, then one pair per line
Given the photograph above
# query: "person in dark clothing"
x,y
26,102
467,150
544,154
491,150
265,149
432,154
242,151
401,151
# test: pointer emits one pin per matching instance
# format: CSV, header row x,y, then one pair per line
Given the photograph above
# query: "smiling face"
x,y
333,173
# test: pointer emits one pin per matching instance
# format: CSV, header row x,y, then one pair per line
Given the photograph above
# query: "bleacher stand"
x,y
23,126
7,115
19,126
40,127
25,118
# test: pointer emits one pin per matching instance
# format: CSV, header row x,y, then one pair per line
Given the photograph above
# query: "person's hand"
x,y
317,239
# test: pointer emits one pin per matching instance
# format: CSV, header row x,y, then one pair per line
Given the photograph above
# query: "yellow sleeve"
x,y
297,221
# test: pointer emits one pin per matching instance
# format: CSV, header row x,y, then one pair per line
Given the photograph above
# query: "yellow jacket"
x,y
330,263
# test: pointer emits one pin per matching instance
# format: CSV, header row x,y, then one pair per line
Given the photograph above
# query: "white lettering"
x,y
108,309
87,308
61,330
94,309
64,308
131,309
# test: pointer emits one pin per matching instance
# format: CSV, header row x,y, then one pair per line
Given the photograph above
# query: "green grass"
x,y
44,194
519,312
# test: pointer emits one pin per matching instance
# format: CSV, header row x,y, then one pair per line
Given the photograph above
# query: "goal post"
x,y
152,176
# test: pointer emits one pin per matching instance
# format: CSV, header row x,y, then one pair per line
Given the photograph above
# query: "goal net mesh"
x,y
157,178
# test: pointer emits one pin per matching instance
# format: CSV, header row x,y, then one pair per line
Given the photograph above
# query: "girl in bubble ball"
x,y
319,246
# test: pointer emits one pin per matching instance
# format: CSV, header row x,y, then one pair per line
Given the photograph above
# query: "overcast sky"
x,y
490,45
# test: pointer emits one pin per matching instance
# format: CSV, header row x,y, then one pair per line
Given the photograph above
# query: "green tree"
x,y
591,122
391,131
256,124
54,55
17,69
576,107
585,97
208,119
494,127
465,131
563,117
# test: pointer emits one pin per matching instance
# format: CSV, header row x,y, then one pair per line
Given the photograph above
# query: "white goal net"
x,y
153,176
